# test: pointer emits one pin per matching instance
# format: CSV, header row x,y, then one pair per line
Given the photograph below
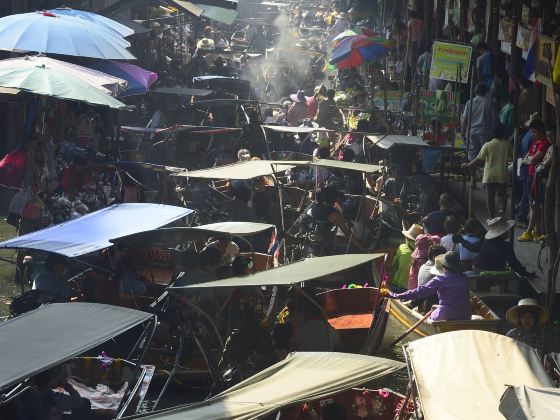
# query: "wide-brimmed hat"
x,y
413,231
498,226
423,243
206,44
449,260
512,315
298,97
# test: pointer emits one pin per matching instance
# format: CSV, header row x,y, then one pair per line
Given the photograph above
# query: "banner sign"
x,y
447,58
393,100
547,50
439,104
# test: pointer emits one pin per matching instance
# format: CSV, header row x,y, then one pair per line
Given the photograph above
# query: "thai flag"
x,y
529,70
274,247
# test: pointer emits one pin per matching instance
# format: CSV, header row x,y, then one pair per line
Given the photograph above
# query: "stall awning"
x,y
181,90
92,232
294,130
189,7
219,14
43,338
171,237
471,373
242,170
349,166
306,270
299,378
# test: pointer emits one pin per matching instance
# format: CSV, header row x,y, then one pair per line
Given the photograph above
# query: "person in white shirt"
x,y
451,226
228,249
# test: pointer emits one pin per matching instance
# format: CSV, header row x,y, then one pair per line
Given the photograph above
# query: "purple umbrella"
x,y
139,80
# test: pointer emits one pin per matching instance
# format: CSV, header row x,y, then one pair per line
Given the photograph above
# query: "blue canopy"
x,y
92,232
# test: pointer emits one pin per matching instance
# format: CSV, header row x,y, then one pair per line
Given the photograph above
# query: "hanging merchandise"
x,y
12,168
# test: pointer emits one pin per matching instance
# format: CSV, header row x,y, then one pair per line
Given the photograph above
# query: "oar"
x,y
403,335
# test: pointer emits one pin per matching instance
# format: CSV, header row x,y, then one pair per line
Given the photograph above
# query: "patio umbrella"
x,y
356,50
102,81
47,32
103,21
138,79
48,82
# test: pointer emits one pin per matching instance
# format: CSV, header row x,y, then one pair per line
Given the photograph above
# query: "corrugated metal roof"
x,y
219,14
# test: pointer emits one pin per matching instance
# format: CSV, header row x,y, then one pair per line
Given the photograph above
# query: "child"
x,y
451,226
474,231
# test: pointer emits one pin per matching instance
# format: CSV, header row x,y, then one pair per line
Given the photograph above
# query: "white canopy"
x,y
525,402
92,232
295,130
242,170
463,374
386,142
298,378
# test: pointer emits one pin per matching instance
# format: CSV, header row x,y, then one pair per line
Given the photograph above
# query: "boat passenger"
x,y
130,281
326,216
401,260
496,253
433,222
52,280
424,274
67,401
529,317
452,227
451,286
419,256
474,231
228,249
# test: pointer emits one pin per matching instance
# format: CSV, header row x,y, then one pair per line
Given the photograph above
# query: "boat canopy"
x,y
170,237
93,231
463,374
525,402
350,166
242,170
386,142
306,270
38,340
299,378
182,91
296,130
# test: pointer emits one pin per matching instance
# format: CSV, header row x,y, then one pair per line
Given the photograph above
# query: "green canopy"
x,y
306,270
44,81
299,378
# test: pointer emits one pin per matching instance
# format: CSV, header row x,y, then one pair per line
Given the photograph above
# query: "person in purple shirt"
x,y
451,286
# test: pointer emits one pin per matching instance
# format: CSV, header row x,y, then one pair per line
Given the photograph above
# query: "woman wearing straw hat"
x,y
451,286
298,110
529,316
402,258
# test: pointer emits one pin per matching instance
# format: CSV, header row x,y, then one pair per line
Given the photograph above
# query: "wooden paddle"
x,y
403,335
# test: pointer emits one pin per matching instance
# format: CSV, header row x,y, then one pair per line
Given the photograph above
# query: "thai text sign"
x,y
448,60
439,104
547,49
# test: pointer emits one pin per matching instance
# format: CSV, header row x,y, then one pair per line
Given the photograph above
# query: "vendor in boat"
x,y
326,216
52,279
451,286
529,317
402,258
229,250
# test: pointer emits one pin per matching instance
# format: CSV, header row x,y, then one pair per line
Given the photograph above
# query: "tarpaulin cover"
x,y
170,237
350,166
299,378
242,170
463,374
305,270
92,232
43,338
525,402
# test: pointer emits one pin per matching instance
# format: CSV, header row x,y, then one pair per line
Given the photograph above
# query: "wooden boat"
x,y
483,319
353,313
361,403
103,382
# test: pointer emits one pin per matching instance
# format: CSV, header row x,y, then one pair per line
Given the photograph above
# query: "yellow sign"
x,y
546,58
451,61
